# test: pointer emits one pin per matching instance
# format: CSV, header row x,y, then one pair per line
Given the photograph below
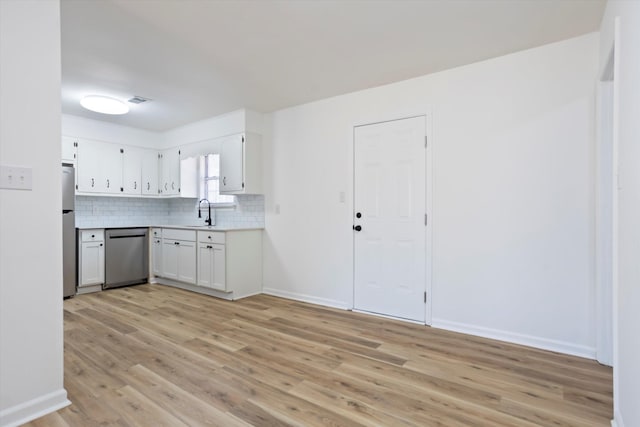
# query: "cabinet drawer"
x,y
173,234
156,233
211,237
96,235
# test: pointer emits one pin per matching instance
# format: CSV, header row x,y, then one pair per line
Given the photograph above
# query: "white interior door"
x,y
390,209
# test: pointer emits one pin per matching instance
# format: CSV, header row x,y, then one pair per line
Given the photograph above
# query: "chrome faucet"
x,y
208,220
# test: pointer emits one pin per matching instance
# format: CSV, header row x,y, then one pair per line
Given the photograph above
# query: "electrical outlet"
x,y
15,177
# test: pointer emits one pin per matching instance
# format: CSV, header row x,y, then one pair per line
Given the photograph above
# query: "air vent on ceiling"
x,y
138,100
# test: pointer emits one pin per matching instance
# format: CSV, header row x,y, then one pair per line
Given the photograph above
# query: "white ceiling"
x,y
200,58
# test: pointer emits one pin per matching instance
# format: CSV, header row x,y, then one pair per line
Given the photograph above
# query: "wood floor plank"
x,y
353,408
137,409
289,406
180,403
154,355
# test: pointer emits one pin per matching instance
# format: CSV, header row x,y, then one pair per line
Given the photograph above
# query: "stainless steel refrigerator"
x,y
69,270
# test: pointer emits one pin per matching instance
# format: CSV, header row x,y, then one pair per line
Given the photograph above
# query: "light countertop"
x,y
178,227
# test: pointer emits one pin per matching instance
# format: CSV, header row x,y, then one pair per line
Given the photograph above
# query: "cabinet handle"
x,y
224,181
108,183
165,186
209,237
173,186
148,186
209,247
135,185
100,244
93,181
176,243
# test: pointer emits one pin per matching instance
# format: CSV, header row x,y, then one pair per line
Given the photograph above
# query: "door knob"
x,y
357,227
358,215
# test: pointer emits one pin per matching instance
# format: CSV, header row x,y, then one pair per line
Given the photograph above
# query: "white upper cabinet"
x,y
170,172
241,164
99,167
232,164
150,171
69,148
132,170
140,171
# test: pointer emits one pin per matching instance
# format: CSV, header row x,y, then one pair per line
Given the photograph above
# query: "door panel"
x,y
205,265
231,164
219,267
132,170
390,193
169,259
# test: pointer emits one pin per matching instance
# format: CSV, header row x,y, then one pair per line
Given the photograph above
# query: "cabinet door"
x,y
232,164
219,267
111,159
205,265
187,262
99,167
169,259
156,256
89,168
131,170
69,145
92,264
150,159
170,172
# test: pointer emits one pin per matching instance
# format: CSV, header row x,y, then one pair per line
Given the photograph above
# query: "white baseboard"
x,y
515,338
617,419
306,298
34,408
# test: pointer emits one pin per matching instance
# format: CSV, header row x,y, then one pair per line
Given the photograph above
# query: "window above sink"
x,y
209,166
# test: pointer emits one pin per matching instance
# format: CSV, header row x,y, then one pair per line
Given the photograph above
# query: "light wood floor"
x,y
152,355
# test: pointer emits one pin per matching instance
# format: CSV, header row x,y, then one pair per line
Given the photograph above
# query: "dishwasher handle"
x,y
127,236
122,233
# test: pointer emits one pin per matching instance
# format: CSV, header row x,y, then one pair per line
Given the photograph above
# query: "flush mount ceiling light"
x,y
104,104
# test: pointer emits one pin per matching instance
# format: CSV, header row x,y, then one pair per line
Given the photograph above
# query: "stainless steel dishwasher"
x,y
126,257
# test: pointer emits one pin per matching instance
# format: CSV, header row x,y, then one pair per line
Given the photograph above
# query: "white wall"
x,y
82,127
627,315
31,335
513,204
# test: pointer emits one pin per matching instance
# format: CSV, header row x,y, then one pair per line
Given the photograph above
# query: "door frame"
x,y
428,132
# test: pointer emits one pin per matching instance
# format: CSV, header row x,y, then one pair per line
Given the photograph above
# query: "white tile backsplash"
x,y
99,211
248,213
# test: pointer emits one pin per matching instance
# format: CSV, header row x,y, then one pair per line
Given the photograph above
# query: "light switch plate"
x,y
15,177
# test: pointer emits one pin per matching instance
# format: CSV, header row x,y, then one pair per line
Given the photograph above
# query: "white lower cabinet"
x,y
211,260
226,264
90,260
178,254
